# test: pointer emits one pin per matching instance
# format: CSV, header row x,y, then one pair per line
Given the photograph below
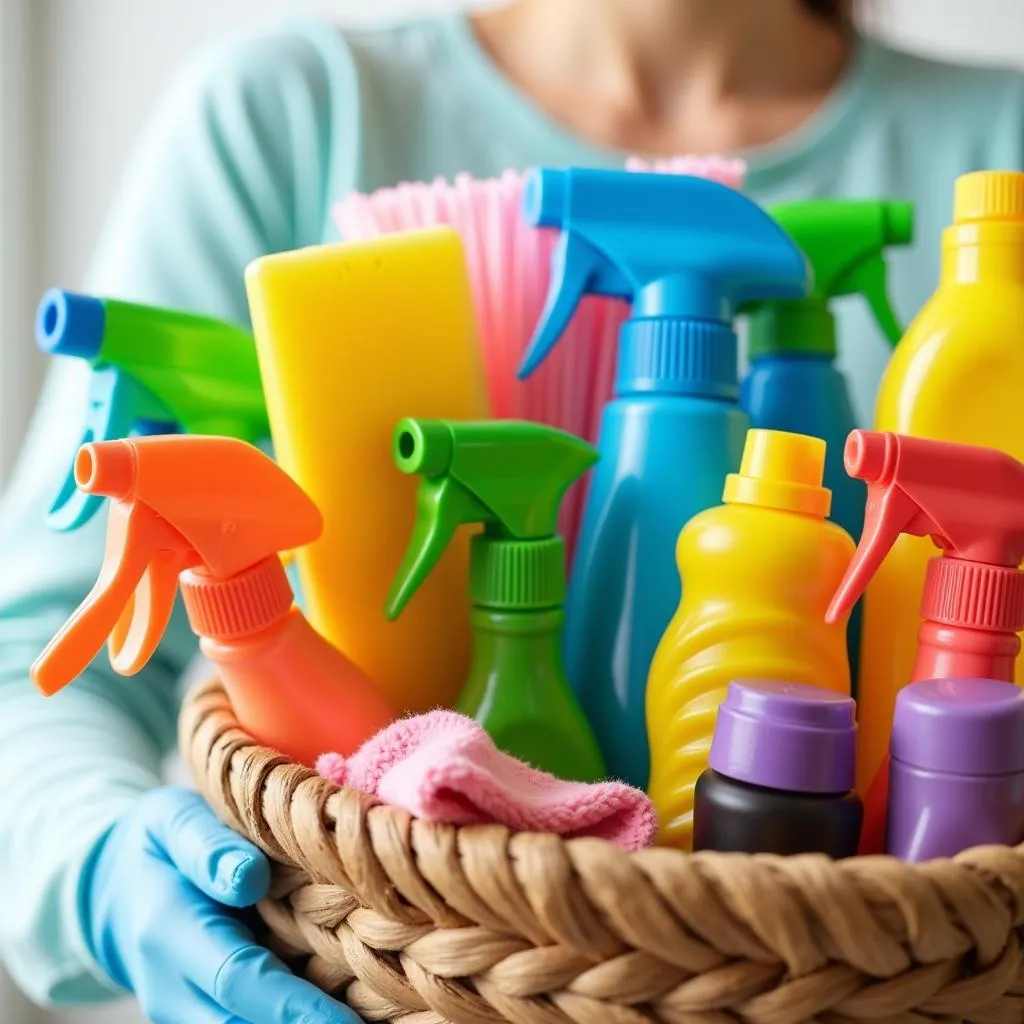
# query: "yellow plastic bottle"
x,y
758,574
352,338
957,375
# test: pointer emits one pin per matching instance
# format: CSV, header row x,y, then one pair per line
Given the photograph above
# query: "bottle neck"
x,y
972,614
673,356
799,328
957,652
982,253
242,606
516,575
514,646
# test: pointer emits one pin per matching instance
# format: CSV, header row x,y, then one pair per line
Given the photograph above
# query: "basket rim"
x,y
865,938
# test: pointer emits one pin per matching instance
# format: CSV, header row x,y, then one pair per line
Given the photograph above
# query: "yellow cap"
x,y
783,471
989,195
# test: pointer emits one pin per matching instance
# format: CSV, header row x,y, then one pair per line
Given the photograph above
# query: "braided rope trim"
x,y
421,923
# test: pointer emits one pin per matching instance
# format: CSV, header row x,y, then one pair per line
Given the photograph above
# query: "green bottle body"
x,y
517,690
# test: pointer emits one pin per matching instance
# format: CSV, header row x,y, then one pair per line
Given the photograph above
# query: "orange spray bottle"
x,y
211,514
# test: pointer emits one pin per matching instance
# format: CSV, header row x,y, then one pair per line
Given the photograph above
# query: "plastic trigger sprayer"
x,y
970,502
154,371
211,514
686,253
510,477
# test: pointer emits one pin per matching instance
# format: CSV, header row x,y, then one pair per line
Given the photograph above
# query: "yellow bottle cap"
x,y
989,195
783,471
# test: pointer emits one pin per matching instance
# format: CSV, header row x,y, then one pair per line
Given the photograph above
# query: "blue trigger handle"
x,y
117,407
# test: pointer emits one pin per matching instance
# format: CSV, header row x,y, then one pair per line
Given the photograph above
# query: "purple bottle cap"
x,y
801,739
960,726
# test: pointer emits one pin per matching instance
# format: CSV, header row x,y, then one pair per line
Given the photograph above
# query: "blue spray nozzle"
x,y
68,324
677,247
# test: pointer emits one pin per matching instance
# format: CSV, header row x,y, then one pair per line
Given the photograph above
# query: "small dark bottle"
x,y
781,773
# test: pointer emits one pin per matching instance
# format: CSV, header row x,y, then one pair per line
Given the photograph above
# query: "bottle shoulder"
x,y
958,372
734,528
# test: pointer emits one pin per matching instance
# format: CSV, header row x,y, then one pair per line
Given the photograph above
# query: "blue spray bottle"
x,y
686,252
794,384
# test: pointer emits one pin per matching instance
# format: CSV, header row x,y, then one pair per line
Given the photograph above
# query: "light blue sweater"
x,y
246,157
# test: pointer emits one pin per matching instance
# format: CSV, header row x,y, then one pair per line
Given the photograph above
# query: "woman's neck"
x,y
669,76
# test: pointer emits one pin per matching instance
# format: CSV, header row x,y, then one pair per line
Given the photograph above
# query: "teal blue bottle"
x,y
686,252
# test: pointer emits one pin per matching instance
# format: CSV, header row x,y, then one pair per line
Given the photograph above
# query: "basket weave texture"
x,y
424,923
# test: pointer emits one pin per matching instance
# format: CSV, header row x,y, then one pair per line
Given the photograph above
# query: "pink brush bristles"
x,y
725,170
509,267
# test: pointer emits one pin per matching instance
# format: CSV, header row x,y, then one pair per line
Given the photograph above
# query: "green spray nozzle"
x,y
844,241
509,476
153,371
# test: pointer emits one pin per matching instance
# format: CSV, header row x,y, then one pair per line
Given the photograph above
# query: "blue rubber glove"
x,y
155,912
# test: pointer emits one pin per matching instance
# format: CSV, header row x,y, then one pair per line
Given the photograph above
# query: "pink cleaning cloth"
x,y
442,766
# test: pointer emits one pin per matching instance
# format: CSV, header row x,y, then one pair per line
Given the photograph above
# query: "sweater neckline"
x,y
826,128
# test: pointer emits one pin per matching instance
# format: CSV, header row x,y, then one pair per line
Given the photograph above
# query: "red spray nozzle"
x,y
969,500
180,502
870,457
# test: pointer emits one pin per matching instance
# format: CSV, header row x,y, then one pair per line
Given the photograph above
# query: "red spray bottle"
x,y
970,502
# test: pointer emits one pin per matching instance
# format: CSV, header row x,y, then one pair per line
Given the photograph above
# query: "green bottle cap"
x,y
517,575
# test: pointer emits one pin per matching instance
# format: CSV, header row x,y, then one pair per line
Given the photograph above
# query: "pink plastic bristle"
x,y
728,171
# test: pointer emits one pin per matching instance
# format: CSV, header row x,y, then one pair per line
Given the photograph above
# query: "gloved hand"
x,y
155,912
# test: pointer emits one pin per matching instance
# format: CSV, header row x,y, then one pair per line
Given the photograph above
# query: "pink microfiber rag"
x,y
442,766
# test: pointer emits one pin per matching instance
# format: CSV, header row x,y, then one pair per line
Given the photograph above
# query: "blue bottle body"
x,y
806,393
664,458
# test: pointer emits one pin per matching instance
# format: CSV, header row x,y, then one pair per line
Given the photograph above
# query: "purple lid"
x,y
801,739
961,726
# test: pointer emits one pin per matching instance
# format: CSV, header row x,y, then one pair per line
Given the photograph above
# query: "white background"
x,y
76,80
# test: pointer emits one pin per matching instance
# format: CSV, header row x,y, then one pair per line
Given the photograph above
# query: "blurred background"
x,y
77,78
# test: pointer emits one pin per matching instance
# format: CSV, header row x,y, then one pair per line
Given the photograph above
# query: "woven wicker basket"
x,y
423,923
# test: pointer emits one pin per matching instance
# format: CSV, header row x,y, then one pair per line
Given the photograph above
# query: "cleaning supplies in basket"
x,y
969,501
758,573
443,766
154,371
210,515
686,252
350,339
509,477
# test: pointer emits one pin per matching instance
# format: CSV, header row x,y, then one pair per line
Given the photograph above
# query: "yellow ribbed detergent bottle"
x,y
957,375
758,574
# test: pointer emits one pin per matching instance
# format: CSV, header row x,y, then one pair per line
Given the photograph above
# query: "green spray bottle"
x,y
510,477
793,383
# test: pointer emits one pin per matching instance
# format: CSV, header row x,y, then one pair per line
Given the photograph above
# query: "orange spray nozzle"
x,y
179,502
969,500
